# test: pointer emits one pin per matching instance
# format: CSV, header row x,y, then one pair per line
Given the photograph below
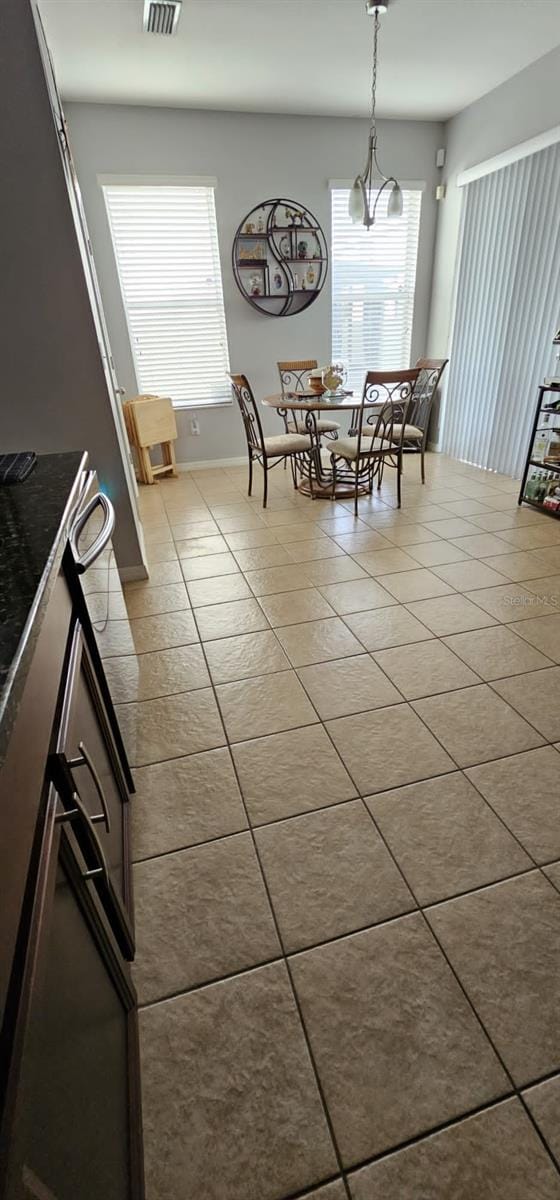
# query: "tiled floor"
x,y
346,738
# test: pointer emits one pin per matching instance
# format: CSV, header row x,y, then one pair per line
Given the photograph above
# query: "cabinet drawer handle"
x,y
85,560
85,761
79,811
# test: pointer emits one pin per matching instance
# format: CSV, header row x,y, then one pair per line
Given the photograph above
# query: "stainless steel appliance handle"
x,y
85,560
85,761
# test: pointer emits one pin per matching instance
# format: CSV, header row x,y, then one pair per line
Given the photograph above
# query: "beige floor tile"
x,y
317,641
419,584
226,620
496,652
224,589
296,516
158,673
495,1155
413,1059
524,790
157,534
155,730
450,614
334,570
148,601
163,631
316,550
465,508
209,566
268,704
270,580
361,543
186,530
262,556
517,567
305,531
386,562
548,589
469,574
494,522
387,627
445,838
475,725
240,1041
504,943
544,1104
508,603
350,685
240,524
424,669
338,527
410,535
248,654
290,773
202,547
542,633
533,536
432,554
201,913
452,527
331,1191
165,552
356,595
160,574
115,637
251,538
536,696
482,545
183,802
547,560
387,748
308,862
291,608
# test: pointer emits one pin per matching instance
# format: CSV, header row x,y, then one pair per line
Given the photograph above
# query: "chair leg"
x,y
265,489
356,491
250,488
422,465
399,476
333,476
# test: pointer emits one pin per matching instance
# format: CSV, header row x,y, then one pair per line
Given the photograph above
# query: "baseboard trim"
x,y
210,464
130,574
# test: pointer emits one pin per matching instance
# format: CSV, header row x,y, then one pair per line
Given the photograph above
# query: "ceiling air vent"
x,y
161,16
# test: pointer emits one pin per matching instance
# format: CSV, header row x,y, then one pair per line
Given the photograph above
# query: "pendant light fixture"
x,y
360,207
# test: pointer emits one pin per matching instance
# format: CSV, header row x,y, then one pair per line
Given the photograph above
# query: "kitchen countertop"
x,y
34,518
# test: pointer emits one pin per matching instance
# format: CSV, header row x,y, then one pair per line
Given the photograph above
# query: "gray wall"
x,y
523,106
54,395
253,157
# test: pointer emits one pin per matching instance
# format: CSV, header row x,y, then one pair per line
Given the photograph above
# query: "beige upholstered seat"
x,y
411,433
286,443
322,426
348,447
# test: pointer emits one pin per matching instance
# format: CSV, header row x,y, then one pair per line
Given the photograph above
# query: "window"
x,y
373,280
166,247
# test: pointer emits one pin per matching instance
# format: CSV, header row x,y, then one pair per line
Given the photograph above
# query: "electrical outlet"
x,y
195,427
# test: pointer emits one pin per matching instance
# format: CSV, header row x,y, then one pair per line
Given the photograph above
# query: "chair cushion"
x,y
322,426
348,447
286,443
411,432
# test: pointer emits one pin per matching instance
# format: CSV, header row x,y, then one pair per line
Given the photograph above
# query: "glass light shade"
x,y
395,202
356,202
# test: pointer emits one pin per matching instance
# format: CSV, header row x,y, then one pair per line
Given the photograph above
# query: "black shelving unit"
x,y
274,239
540,486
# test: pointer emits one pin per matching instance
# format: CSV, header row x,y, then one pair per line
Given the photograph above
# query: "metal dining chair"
x,y
268,451
415,434
381,421
293,378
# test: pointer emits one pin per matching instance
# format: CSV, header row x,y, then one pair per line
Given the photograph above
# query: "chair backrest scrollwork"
x,y
293,374
249,412
386,399
430,371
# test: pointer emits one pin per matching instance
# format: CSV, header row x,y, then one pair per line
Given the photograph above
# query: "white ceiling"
x,y
298,56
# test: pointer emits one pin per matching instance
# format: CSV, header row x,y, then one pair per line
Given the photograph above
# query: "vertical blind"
x,y
373,282
507,309
166,248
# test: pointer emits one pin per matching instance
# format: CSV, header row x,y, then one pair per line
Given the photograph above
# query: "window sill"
x,y
182,406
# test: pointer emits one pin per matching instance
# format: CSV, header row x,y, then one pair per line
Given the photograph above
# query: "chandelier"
x,y
360,207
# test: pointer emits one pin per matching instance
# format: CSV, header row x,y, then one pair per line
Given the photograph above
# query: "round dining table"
x,y
315,478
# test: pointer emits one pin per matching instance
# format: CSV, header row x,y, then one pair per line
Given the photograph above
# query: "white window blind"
x,y
373,282
507,309
166,247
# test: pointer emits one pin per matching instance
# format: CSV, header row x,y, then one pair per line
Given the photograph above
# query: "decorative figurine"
x,y
249,227
296,281
260,224
311,276
277,280
285,246
288,215
303,284
297,218
255,285
302,249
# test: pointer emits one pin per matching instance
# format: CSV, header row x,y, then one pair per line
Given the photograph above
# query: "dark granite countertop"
x,y
34,517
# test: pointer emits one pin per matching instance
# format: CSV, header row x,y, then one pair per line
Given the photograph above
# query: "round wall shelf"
x,y
280,258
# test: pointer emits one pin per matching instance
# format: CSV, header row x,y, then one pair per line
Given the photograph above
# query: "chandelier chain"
x,y
372,123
